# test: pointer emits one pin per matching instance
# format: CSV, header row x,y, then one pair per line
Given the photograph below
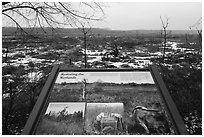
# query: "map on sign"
x,y
104,103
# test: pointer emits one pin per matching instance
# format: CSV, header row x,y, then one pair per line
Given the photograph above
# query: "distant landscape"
x,y
95,31
28,57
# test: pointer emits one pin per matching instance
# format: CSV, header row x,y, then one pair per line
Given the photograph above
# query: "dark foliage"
x,y
19,97
185,86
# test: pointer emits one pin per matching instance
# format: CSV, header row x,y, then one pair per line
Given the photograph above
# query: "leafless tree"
x,y
198,27
84,82
50,14
164,32
85,29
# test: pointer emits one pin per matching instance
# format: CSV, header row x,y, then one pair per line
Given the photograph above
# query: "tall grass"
x,y
48,127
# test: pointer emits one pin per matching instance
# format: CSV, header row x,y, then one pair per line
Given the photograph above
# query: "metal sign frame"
x,y
42,101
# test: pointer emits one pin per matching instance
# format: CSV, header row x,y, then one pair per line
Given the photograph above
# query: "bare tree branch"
x,y
164,32
167,22
52,14
4,3
85,28
18,25
198,27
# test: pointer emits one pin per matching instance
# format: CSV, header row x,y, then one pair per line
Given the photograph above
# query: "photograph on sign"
x,y
62,118
114,103
104,118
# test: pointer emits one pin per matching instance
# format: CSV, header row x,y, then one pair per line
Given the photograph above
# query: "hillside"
x,y
95,31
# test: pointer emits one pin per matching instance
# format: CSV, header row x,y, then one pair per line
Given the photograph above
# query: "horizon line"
x,y
105,28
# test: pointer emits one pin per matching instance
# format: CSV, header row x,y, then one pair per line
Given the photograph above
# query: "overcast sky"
x,y
146,15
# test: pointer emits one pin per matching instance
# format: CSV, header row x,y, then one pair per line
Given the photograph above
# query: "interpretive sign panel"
x,y
105,103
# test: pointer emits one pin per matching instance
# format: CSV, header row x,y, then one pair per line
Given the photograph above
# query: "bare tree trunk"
x,y
85,50
200,36
164,35
186,37
84,81
198,27
7,50
164,50
85,32
84,93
